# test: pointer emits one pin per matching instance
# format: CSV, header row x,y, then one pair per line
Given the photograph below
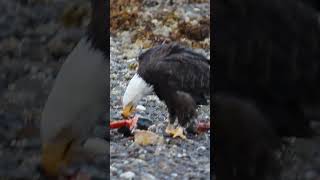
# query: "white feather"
x,y
78,94
136,90
140,108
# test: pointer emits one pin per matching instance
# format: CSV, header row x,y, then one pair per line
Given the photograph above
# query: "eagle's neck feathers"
x,y
136,90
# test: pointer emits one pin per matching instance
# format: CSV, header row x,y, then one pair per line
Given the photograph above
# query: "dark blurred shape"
x,y
313,3
143,123
125,131
267,65
268,51
245,143
125,127
150,3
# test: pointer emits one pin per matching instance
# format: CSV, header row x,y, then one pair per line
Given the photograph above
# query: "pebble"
x,y
113,169
147,176
140,108
142,156
174,174
126,37
201,148
128,175
139,162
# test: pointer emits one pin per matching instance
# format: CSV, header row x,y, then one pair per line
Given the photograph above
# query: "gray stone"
x,y
128,175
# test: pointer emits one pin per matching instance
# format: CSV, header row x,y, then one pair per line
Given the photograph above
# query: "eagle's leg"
x,y
171,130
172,118
186,111
180,129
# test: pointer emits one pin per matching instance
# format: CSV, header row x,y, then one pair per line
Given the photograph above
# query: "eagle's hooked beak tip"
x,y
127,111
124,115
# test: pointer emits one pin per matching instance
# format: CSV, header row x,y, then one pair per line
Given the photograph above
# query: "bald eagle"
x,y
78,100
177,75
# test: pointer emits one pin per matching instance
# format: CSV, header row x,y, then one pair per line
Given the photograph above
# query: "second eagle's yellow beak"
x,y
55,157
128,110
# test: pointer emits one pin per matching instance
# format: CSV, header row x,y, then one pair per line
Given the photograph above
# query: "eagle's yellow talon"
x,y
175,132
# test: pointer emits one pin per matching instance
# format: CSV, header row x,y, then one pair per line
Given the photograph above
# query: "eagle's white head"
x,y
136,90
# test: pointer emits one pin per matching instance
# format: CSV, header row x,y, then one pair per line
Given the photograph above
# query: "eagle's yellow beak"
x,y
128,110
55,157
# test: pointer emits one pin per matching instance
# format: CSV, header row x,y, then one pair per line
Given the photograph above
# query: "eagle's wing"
x,y
184,71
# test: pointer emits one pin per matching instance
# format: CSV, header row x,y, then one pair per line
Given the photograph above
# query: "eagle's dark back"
x,y
172,67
